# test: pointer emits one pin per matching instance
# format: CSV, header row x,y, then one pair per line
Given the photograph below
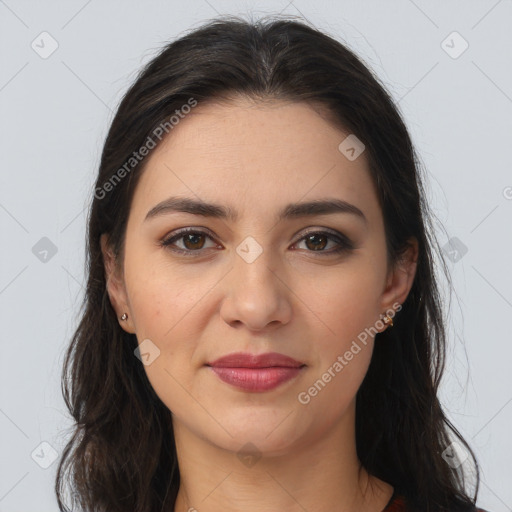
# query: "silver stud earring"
x,y
124,317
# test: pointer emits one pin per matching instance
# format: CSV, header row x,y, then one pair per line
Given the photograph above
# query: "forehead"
x,y
249,155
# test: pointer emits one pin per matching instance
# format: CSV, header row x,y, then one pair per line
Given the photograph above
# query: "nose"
x,y
256,295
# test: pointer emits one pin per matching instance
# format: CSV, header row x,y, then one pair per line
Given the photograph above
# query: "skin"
x,y
256,158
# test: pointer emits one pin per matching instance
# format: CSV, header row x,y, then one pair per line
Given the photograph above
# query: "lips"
x,y
256,373
246,360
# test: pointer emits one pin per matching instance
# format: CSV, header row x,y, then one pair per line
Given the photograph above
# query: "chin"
x,y
266,431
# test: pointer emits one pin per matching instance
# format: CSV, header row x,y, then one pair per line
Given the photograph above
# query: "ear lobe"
x,y
401,277
115,286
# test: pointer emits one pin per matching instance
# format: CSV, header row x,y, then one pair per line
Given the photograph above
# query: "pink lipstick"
x,y
256,373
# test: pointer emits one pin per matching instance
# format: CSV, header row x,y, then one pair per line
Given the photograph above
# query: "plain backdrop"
x,y
64,67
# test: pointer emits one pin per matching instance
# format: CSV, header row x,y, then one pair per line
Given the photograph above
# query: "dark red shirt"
x,y
397,504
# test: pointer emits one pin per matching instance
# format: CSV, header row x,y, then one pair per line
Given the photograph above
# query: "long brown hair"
x,y
121,455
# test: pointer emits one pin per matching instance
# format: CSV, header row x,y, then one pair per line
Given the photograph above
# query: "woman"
x,y
262,326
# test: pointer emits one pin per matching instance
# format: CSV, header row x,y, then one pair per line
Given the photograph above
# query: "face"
x,y
308,285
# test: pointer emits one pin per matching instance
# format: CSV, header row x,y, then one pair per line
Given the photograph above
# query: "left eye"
x,y
316,241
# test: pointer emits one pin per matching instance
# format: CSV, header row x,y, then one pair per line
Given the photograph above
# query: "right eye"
x,y
191,239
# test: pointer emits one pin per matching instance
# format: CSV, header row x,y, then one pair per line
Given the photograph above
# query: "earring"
x,y
387,320
124,317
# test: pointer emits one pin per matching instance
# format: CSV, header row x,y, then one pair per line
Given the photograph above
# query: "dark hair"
x,y
122,456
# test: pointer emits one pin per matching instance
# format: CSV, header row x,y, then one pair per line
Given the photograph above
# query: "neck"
x,y
321,474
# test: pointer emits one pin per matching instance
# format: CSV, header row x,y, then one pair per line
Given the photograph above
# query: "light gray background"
x,y
54,116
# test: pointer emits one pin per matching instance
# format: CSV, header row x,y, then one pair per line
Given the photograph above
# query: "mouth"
x,y
256,373
256,379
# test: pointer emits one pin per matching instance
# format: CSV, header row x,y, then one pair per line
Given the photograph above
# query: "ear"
x,y
400,278
115,285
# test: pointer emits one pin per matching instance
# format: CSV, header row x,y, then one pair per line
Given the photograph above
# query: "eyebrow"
x,y
290,211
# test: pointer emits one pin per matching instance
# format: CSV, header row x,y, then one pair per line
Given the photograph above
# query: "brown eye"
x,y
192,240
317,241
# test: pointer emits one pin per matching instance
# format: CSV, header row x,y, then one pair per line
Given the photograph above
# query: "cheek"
x,y
347,308
162,297
169,310
164,316
346,303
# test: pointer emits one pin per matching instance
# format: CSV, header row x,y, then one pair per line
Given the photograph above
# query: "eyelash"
x,y
342,240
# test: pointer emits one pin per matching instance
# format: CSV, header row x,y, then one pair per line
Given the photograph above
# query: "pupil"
x,y
190,238
316,246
